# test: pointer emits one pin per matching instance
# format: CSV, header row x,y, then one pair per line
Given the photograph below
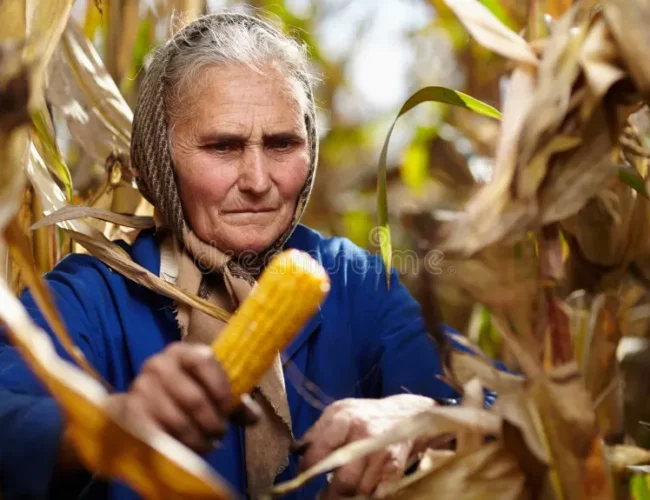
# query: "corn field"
x,y
546,253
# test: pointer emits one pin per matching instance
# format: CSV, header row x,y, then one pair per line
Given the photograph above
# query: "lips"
x,y
249,211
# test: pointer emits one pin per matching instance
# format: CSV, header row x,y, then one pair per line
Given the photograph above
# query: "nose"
x,y
254,177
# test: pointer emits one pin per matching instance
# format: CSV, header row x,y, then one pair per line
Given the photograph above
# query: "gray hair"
x,y
214,39
251,44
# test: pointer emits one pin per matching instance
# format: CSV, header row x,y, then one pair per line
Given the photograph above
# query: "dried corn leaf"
x,y
154,464
477,226
434,422
577,175
22,255
518,409
597,360
531,176
490,32
621,457
122,26
430,461
45,24
72,212
556,8
43,138
489,472
98,117
116,258
601,65
557,74
467,366
14,13
527,358
468,441
13,147
105,250
628,20
569,426
14,115
14,87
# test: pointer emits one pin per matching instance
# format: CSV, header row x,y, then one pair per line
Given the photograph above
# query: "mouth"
x,y
250,211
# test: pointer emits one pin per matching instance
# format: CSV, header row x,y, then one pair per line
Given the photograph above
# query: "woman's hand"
x,y
184,392
350,420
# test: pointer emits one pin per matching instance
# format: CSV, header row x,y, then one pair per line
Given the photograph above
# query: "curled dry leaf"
x,y
14,87
72,212
154,464
601,64
22,255
490,32
467,366
490,214
579,174
597,341
489,472
434,422
563,156
98,117
468,441
14,115
430,461
122,31
45,21
569,428
628,20
105,250
621,457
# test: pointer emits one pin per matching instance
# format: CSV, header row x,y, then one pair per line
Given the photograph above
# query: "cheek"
x,y
291,177
203,184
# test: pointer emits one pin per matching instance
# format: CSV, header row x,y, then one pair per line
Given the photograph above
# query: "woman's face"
x,y
241,157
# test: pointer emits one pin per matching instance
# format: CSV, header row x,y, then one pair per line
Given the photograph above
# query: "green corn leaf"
x,y
639,487
427,94
43,138
632,178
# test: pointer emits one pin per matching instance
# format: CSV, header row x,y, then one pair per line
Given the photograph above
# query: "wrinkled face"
x,y
241,157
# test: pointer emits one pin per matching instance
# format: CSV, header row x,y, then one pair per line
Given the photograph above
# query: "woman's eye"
x,y
281,144
222,147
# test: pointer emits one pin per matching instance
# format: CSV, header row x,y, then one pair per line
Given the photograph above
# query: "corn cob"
x,y
287,294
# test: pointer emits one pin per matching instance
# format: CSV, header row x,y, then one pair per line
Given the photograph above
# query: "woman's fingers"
x,y
195,403
199,362
384,467
168,414
326,436
347,479
373,472
185,390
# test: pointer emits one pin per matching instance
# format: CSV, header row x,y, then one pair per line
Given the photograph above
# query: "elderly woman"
x,y
225,147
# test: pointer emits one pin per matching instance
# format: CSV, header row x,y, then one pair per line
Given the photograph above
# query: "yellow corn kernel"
x,y
287,295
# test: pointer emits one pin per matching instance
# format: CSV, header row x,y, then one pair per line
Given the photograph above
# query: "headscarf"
x,y
185,255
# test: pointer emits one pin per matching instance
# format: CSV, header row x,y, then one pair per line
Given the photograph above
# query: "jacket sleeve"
x,y
397,354
30,421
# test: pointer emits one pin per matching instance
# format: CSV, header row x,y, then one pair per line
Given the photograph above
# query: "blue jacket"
x,y
366,341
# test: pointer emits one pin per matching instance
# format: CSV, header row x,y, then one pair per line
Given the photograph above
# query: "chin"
x,y
249,243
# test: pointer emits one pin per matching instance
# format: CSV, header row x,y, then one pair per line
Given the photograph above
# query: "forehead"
x,y
237,92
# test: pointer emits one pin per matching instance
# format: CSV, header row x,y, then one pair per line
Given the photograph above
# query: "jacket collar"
x,y
306,240
146,252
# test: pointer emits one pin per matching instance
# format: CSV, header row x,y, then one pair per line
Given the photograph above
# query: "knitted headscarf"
x,y
151,157
268,442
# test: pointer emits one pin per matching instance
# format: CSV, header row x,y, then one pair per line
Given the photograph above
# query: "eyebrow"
x,y
228,137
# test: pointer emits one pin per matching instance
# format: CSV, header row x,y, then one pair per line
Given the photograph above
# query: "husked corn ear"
x,y
286,296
